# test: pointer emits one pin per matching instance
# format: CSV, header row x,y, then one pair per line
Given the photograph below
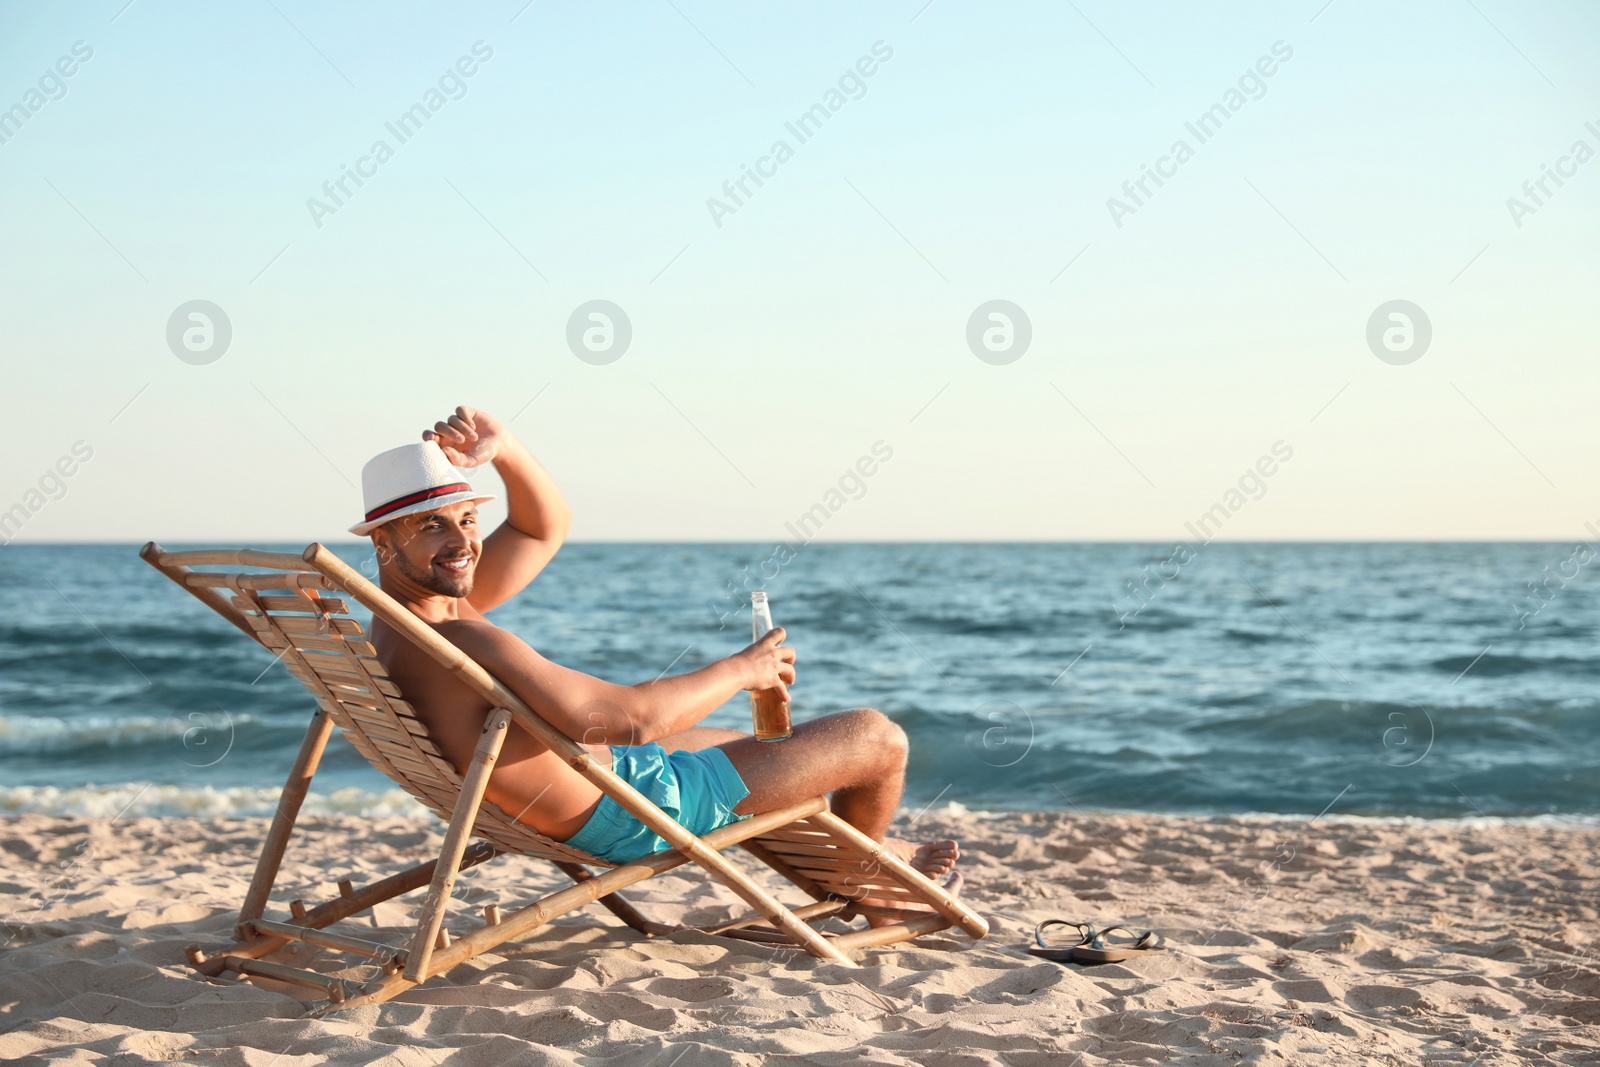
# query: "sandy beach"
x,y
1337,942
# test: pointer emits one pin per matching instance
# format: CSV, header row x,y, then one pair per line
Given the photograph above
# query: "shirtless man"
x,y
434,560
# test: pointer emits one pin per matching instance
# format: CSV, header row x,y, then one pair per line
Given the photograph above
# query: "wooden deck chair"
x,y
281,601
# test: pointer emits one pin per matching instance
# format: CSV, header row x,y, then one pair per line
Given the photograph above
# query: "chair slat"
x,y
334,672
373,701
256,582
325,605
853,886
792,848
403,754
395,735
808,837
290,624
343,659
414,727
321,643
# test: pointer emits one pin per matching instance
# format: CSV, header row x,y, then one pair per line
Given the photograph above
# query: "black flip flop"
x,y
1095,949
1060,953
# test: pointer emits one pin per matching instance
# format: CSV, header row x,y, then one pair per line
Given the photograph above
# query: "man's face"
x,y
437,550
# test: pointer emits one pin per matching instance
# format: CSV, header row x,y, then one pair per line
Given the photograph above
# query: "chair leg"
x,y
294,794
455,843
614,903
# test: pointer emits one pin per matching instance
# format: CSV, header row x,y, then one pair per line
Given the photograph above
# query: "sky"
x,y
1196,344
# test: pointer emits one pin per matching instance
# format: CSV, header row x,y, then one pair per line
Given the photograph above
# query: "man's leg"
x,y
859,757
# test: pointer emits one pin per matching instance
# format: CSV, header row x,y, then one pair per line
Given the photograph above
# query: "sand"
x,y
1337,942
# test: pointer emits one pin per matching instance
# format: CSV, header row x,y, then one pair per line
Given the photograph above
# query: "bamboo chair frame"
x,y
280,603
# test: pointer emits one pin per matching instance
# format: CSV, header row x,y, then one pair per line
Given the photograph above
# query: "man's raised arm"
x,y
537,517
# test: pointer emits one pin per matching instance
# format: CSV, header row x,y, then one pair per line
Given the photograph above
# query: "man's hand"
x,y
470,438
767,664
537,516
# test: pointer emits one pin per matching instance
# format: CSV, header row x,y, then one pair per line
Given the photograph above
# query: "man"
x,y
432,558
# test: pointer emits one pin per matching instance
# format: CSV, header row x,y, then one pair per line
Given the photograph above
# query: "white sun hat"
x,y
409,479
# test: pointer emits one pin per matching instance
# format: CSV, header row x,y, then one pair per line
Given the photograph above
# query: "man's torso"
x,y
530,783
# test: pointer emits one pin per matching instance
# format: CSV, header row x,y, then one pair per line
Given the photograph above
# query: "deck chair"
x,y
291,605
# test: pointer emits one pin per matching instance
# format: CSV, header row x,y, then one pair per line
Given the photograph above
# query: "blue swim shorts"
x,y
699,789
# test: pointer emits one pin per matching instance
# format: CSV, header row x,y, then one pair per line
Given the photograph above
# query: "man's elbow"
x,y
552,534
636,720
560,527
639,732
624,718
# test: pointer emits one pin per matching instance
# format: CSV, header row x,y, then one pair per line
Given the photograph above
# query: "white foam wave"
x,y
134,799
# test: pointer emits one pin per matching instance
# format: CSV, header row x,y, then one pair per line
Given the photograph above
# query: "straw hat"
x,y
409,479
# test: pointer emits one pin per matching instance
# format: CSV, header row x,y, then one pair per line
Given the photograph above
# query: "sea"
x,y
1456,680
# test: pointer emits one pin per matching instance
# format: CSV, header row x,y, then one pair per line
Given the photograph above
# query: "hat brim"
x,y
362,529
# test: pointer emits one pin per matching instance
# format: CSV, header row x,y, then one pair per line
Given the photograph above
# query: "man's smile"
x,y
458,565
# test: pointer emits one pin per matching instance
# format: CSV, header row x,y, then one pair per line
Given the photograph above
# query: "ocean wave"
x,y
134,799
32,735
1364,721
1488,666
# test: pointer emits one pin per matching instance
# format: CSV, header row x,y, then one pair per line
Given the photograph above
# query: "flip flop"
x,y
1060,953
1094,949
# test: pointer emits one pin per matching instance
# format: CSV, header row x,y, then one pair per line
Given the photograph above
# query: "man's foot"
x,y
951,885
933,858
